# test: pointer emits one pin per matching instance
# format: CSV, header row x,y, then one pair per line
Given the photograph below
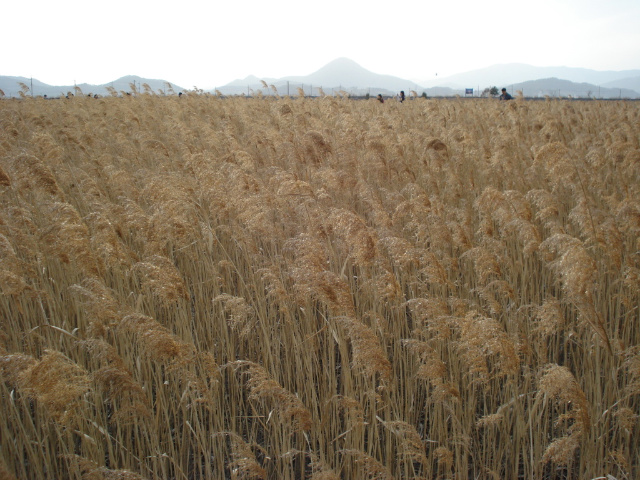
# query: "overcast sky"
x,y
196,43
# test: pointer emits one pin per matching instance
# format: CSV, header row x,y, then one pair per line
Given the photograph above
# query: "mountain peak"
x,y
341,65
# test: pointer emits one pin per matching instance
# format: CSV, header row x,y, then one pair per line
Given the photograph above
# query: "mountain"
x,y
555,87
346,75
504,75
341,74
123,84
632,83
11,86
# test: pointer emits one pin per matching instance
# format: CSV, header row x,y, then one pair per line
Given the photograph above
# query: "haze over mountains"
x,y
344,75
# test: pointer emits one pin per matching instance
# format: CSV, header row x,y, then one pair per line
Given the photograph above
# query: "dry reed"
x,y
346,289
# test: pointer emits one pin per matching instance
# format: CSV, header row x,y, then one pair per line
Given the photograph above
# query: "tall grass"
x,y
319,288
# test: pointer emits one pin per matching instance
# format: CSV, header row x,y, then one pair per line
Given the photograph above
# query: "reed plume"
x,y
486,348
444,457
433,370
262,387
90,470
12,366
370,467
116,381
13,270
5,474
320,470
411,445
106,241
67,238
513,213
486,264
559,384
316,148
31,173
162,278
313,280
243,464
5,180
101,305
548,209
632,366
360,241
550,318
367,353
242,316
57,383
578,272
157,342
433,315
350,409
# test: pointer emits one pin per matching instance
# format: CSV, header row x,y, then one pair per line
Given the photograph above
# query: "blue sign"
x,y
468,91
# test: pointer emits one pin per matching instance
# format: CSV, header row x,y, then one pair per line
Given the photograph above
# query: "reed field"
x,y
319,288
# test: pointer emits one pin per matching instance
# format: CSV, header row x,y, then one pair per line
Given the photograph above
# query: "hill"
x,y
341,74
555,87
632,83
345,75
11,86
512,73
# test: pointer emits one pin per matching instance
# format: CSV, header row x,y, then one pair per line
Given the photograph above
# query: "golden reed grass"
x,y
318,288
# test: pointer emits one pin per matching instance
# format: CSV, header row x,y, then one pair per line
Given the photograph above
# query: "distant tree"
x,y
490,92
424,95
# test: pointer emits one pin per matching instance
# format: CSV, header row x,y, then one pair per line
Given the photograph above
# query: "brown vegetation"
x,y
301,288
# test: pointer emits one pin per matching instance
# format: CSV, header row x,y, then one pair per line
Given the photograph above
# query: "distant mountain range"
x,y
341,74
11,86
512,73
344,75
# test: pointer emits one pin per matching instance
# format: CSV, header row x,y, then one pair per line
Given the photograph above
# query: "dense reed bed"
x,y
322,288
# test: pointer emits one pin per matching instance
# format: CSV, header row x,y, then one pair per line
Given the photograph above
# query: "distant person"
x,y
505,95
380,99
401,98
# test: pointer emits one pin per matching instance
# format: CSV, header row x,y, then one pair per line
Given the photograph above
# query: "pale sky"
x,y
198,44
